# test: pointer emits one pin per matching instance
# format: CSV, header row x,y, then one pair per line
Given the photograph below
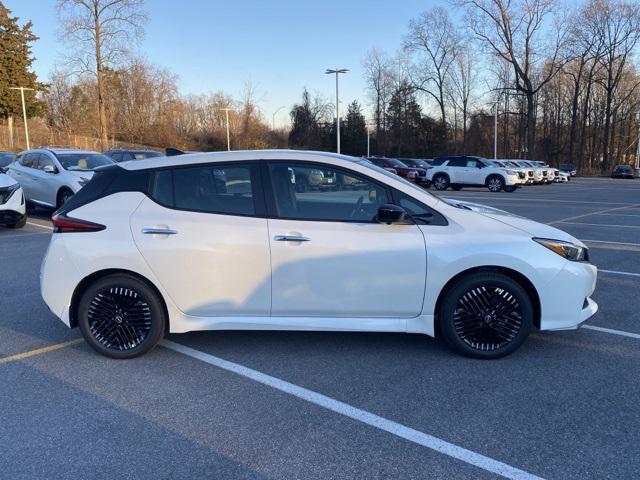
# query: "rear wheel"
x,y
485,315
121,317
456,187
495,183
509,188
441,182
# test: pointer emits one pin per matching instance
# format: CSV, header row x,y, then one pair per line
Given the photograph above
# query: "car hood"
x,y
6,180
531,227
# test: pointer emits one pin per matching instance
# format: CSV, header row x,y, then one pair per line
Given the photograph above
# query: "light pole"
x,y
495,133
226,111
368,133
273,118
24,112
337,72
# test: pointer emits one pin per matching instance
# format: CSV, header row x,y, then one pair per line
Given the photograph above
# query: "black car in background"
x,y
569,168
122,155
6,158
623,171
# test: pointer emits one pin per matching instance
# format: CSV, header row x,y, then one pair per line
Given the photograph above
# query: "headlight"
x,y
568,250
7,192
512,172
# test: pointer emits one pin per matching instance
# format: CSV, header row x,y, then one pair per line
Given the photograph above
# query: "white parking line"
x,y
615,272
47,227
597,224
611,242
389,426
617,214
622,333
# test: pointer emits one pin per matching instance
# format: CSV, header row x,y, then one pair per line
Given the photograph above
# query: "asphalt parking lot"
x,y
335,405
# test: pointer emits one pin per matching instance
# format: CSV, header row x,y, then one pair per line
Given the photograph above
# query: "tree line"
x,y
562,83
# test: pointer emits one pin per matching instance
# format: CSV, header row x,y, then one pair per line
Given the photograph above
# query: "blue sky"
x,y
279,45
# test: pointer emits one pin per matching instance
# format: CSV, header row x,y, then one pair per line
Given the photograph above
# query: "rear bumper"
x,y
10,217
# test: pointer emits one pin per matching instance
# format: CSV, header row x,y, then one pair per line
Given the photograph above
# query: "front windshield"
x,y
416,163
394,162
83,162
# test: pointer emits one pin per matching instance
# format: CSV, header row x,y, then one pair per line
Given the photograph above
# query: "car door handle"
x,y
291,238
158,231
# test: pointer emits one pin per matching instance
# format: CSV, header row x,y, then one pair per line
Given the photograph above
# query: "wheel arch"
x,y
60,190
518,277
90,279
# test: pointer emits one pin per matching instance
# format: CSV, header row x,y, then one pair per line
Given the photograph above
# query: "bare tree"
x,y
464,76
530,35
99,33
379,78
432,37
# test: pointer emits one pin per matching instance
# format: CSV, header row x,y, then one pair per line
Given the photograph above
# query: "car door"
x,y
23,172
204,235
456,169
330,258
473,171
45,183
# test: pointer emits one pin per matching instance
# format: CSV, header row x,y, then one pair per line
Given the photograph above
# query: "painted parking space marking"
x,y
612,331
363,416
46,227
595,224
40,351
616,272
568,220
611,242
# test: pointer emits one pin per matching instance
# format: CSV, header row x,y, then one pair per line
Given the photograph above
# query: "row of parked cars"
x,y
459,171
49,177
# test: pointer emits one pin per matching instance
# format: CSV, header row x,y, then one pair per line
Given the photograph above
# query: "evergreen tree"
x,y
404,118
309,130
15,67
354,134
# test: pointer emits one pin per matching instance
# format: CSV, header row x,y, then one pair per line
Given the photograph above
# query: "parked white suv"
x,y
13,213
462,171
225,240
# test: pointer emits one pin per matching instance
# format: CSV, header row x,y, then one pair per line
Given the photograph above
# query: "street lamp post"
x,y
226,111
273,118
495,133
24,112
337,72
638,146
368,133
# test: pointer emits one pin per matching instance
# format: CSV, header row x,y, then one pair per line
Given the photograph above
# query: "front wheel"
x,y
19,224
441,182
121,317
485,315
63,197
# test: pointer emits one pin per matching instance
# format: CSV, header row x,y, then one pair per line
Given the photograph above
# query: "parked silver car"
x,y
50,176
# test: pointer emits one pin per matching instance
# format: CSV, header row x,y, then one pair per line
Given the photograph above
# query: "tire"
x,y
441,182
19,224
121,317
456,187
477,331
495,183
509,188
63,196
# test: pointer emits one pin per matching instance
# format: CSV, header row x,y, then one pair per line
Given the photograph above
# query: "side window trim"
x,y
270,201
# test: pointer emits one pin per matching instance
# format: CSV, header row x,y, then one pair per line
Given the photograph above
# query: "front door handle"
x,y
158,231
291,238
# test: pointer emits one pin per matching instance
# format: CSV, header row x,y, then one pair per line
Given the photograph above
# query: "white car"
x,y
225,240
528,171
460,171
50,176
504,165
539,174
13,212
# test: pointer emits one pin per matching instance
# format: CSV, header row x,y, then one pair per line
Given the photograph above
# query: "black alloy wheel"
x,y
121,317
486,315
441,182
495,183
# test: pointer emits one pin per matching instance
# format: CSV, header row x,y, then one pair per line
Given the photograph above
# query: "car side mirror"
x,y
50,169
389,213
4,169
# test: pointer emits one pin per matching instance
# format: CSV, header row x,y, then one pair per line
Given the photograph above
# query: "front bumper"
x,y
14,210
512,180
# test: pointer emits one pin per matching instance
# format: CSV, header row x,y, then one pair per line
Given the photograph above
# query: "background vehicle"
x,y
522,174
551,173
569,168
50,176
6,158
122,155
529,171
622,171
460,171
132,257
13,212
416,175
539,174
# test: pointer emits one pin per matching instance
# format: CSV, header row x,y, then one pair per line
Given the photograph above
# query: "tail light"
x,y
64,224
411,174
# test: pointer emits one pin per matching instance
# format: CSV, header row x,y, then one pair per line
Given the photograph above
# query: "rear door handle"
x,y
158,231
291,238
